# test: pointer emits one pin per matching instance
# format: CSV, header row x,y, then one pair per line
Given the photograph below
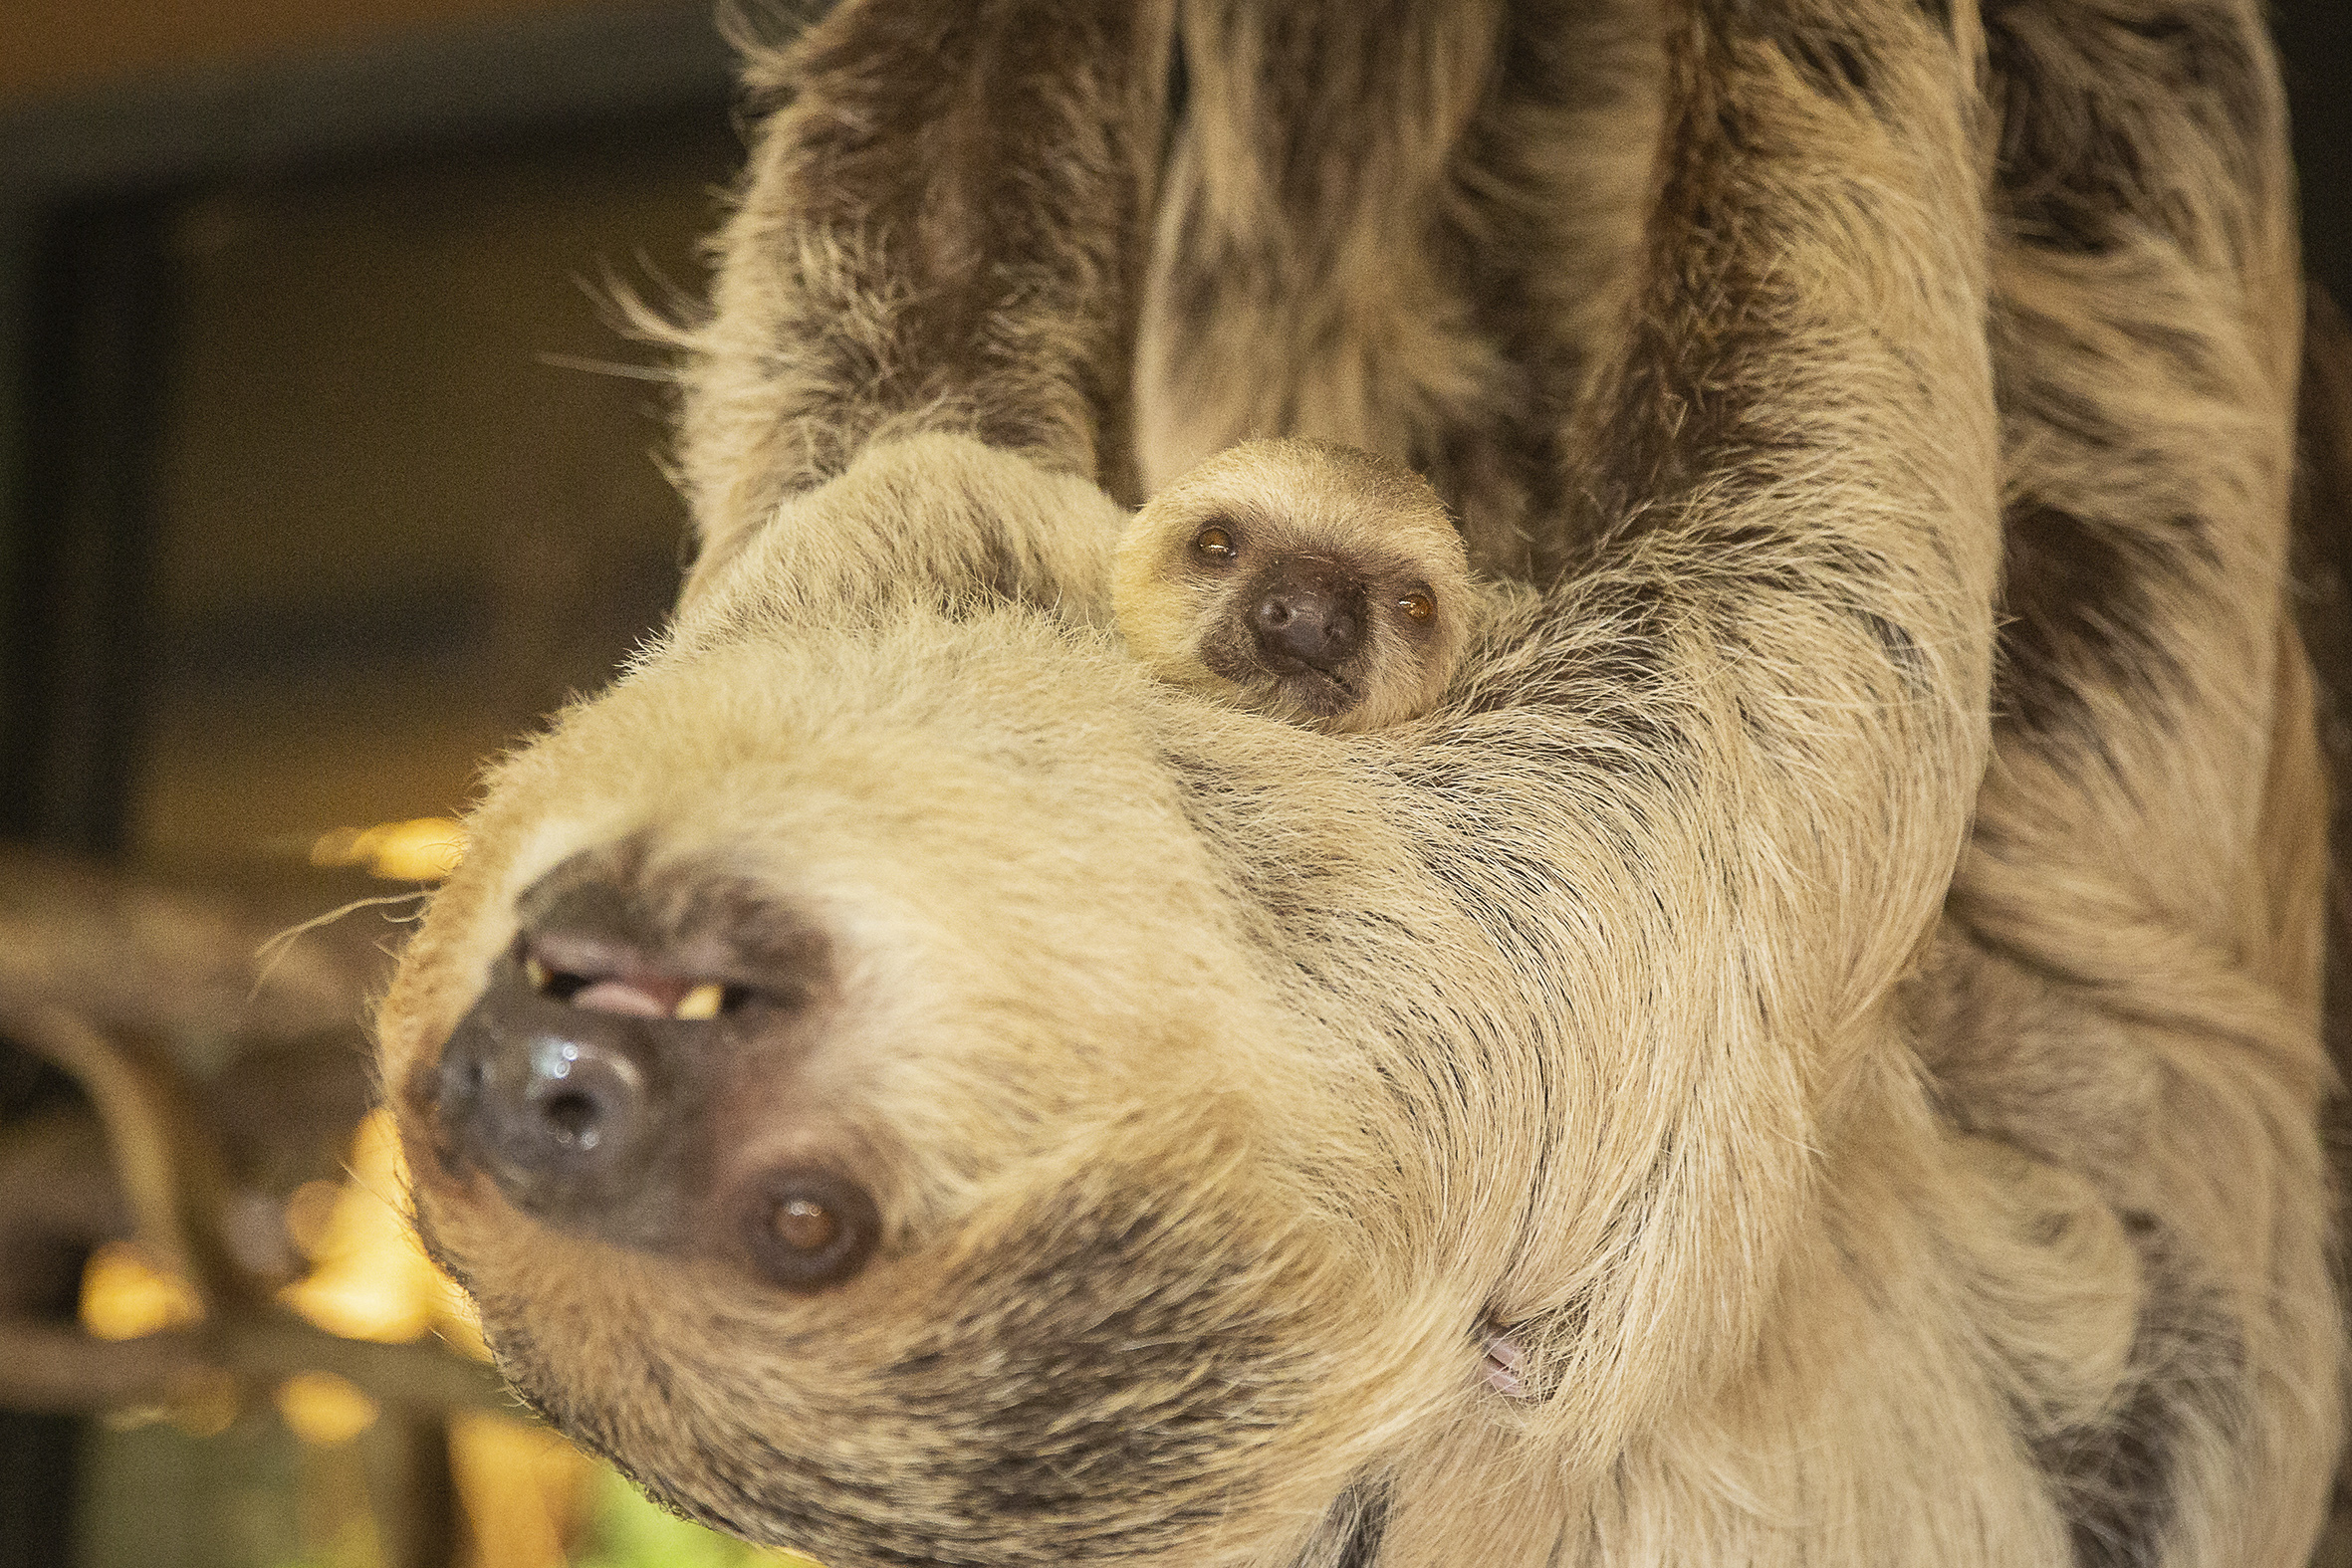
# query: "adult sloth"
x,y
905,1084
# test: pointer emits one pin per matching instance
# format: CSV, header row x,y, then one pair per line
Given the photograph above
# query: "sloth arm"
x,y
1792,596
1787,610
1732,757
941,230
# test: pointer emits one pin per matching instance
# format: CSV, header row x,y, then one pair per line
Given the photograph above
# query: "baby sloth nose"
x,y
1308,613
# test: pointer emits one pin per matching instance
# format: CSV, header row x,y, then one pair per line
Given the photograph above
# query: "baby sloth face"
x,y
1303,580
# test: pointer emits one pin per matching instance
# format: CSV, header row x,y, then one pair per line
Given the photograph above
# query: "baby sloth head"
x,y
1309,582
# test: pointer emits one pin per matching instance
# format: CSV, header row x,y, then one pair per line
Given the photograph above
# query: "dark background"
x,y
312,497
2315,37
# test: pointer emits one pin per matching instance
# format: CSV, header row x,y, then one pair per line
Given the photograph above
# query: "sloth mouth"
x,y
1319,691
1279,682
604,976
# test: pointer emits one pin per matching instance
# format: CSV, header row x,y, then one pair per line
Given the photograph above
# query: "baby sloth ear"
x,y
1303,580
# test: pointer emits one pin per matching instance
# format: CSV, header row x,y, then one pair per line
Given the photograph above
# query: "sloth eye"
x,y
1214,542
805,1225
1417,604
811,1229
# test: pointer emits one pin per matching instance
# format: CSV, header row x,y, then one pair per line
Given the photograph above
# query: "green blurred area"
x,y
626,1531
256,1497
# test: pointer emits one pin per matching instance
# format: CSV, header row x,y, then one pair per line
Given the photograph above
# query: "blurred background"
x,y
324,472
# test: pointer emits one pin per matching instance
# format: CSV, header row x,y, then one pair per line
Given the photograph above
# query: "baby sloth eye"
x,y
1417,604
1214,542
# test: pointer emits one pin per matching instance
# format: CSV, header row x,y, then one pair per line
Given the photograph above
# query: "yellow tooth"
x,y
536,973
700,1002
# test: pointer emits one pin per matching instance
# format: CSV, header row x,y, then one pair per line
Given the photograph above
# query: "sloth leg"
x,y
1294,287
1404,227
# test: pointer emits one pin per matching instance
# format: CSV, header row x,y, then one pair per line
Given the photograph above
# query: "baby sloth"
x,y
1303,579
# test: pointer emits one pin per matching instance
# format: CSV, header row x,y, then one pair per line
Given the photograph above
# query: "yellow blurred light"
x,y
372,1280
124,1297
523,1489
324,1410
423,849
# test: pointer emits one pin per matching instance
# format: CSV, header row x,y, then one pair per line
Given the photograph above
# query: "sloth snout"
x,y
622,1027
1307,612
578,1113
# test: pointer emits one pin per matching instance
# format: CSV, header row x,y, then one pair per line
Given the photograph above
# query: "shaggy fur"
x,y
1835,977
1364,536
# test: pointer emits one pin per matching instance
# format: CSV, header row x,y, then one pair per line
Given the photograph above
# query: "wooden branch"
x,y
54,1368
168,1165
96,974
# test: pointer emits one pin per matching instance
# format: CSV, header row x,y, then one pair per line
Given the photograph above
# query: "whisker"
x,y
277,947
633,372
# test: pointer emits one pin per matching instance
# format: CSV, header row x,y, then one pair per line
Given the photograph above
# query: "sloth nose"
x,y
576,1113
580,1098
1308,615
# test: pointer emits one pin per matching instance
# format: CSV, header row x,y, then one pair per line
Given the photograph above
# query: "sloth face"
x,y
863,1171
1308,581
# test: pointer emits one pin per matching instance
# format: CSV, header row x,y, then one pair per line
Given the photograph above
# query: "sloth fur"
x,y
1833,980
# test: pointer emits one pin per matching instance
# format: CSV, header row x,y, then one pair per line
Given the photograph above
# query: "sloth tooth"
x,y
537,974
700,1002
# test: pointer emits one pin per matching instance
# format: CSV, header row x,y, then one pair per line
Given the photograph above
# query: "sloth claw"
x,y
1507,1361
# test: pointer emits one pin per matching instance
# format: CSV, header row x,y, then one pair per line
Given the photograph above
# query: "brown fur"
x,y
1835,977
1372,525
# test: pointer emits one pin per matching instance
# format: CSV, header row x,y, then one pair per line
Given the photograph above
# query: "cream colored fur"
x,y
1847,1013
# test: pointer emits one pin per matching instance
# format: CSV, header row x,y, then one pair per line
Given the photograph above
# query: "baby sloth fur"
x,y
1303,579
